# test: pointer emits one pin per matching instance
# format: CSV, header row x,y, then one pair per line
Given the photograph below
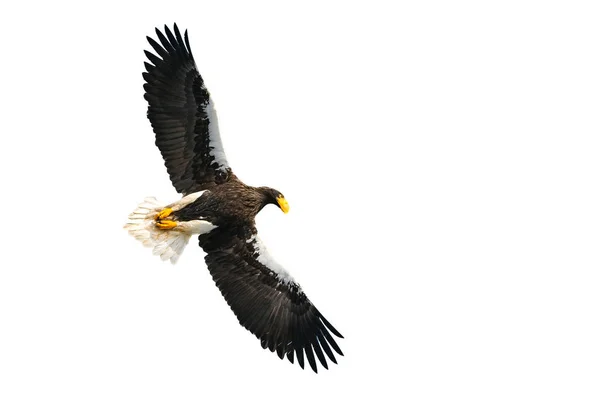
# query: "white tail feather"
x,y
167,244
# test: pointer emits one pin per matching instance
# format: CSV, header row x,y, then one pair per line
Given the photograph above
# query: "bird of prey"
x,y
221,209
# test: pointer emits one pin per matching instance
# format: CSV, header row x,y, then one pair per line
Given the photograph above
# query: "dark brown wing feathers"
x,y
178,111
278,313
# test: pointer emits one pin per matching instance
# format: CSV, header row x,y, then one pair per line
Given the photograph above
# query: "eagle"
x,y
218,207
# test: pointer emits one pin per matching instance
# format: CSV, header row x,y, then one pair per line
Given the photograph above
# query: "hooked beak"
x,y
283,204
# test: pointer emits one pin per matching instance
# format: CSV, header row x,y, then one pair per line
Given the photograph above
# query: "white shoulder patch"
x,y
185,201
265,258
215,145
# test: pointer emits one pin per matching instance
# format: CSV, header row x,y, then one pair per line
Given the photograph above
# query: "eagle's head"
x,y
272,196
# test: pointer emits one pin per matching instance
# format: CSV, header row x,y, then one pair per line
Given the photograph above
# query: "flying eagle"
x,y
221,209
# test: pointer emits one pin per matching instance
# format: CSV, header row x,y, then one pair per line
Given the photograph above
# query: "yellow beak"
x,y
283,204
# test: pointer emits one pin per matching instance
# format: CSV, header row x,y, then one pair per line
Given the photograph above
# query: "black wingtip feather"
x,y
158,48
164,41
152,58
330,327
187,43
311,358
319,352
170,36
331,341
326,348
280,351
300,356
180,43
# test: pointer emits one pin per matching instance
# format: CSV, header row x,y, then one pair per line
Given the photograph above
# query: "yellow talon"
x,y
164,213
166,224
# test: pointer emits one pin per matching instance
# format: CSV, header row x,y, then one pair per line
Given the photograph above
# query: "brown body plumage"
x,y
228,203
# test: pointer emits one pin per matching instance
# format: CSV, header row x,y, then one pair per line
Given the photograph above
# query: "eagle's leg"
x,y
164,213
165,224
161,219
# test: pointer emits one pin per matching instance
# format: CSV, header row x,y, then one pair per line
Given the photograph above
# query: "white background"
x,y
441,162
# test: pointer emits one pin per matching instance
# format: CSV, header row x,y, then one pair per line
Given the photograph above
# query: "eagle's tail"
x,y
168,243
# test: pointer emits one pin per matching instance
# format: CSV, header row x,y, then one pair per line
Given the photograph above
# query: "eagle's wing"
x,y
266,299
183,115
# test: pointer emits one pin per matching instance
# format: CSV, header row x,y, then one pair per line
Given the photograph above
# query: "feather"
x,y
187,44
164,41
152,58
159,50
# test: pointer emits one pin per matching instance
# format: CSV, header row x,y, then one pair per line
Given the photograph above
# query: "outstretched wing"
x,y
266,299
183,115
